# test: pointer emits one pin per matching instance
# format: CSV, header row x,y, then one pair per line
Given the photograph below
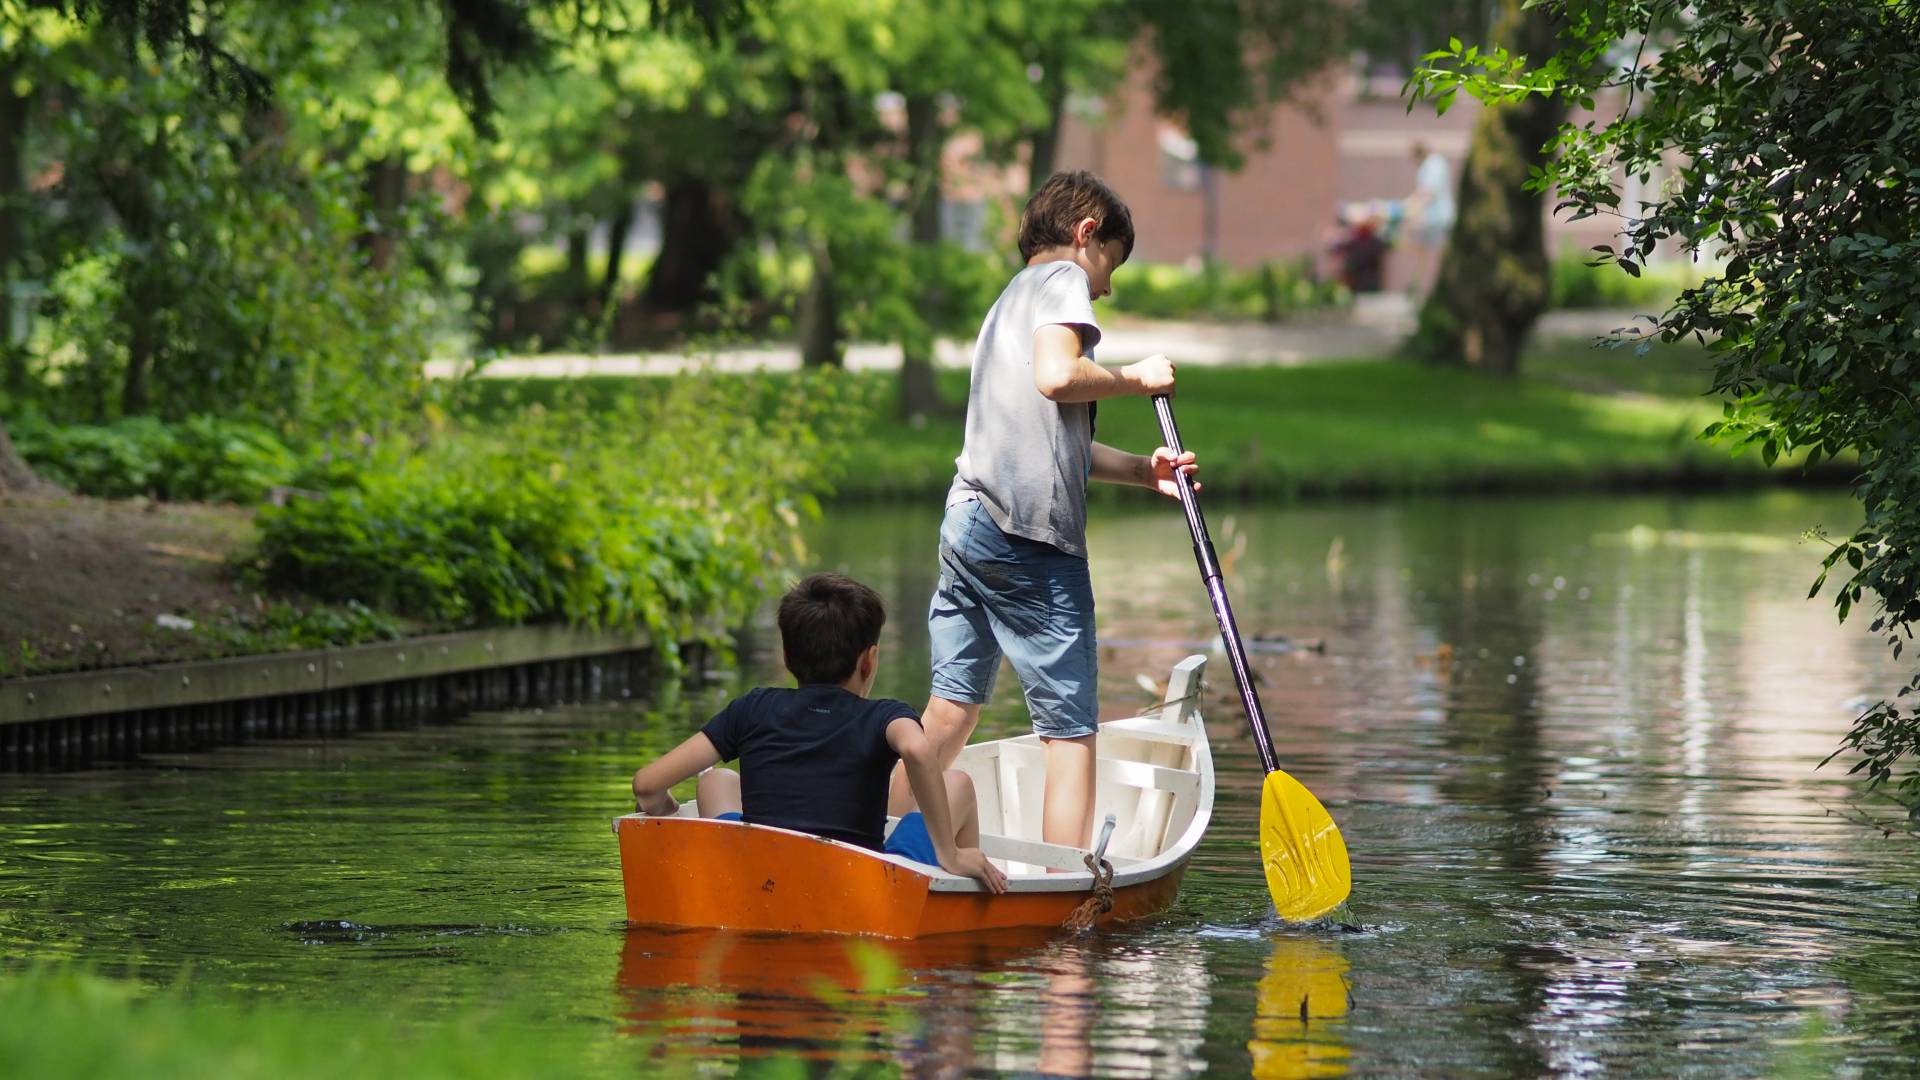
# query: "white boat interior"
x,y
1155,777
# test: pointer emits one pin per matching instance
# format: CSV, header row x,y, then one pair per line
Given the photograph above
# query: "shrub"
x,y
202,458
287,626
1578,284
1272,292
655,511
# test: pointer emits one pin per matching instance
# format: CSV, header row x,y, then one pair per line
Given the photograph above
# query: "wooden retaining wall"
x,y
59,722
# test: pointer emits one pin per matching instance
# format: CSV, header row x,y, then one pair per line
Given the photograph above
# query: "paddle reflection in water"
x,y
1298,1005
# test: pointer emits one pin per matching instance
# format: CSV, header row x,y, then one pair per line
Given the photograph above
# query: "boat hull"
x,y
1154,784
693,872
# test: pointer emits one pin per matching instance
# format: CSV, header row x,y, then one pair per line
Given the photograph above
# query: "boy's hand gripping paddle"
x,y
1305,859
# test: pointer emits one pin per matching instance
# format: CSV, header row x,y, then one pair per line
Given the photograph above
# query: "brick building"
x,y
1344,139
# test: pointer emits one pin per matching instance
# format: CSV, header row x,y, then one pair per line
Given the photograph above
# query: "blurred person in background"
x,y
1429,214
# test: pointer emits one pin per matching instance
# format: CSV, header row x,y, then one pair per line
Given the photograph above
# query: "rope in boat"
x,y
1199,688
1100,902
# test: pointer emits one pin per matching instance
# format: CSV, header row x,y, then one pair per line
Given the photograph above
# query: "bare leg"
x,y
948,724
964,805
1066,811
718,792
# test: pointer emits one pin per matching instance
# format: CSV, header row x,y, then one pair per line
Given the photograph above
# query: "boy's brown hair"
x,y
1065,200
826,622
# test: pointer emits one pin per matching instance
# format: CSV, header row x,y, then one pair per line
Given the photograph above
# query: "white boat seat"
x,y
1037,853
1109,771
1151,730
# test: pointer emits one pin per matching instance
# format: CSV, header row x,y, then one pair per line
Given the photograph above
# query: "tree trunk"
x,y
1493,279
617,230
700,226
143,347
16,476
919,396
1046,141
143,300
819,314
578,238
386,188
494,251
13,210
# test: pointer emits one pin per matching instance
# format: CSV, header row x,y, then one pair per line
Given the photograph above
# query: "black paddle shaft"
x,y
1216,589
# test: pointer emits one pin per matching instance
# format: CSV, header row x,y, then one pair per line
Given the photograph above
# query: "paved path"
x,y
1373,328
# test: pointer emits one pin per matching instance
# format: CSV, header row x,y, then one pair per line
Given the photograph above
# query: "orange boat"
x,y
1155,780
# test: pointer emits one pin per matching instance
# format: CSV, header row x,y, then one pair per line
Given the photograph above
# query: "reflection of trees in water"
x,y
1475,577
897,553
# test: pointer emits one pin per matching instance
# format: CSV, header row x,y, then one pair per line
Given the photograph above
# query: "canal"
x,y
1571,743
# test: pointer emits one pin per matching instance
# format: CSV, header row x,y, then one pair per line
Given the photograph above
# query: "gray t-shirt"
x,y
1026,458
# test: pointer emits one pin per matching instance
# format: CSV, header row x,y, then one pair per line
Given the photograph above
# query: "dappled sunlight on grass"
x,y
1576,417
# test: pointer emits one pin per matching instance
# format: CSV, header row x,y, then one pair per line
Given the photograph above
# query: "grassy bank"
x,y
1578,419
64,1023
671,511
621,501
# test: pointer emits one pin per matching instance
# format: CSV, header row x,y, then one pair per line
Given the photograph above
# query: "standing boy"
x,y
816,758
1013,549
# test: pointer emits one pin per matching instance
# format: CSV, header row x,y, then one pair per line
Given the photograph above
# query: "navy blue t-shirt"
x,y
814,759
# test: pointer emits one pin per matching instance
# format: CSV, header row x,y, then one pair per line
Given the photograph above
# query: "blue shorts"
x,y
1032,602
909,839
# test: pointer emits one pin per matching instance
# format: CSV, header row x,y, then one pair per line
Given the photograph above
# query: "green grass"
x,y
1366,426
64,1021
69,1023
1578,418
1681,372
1576,284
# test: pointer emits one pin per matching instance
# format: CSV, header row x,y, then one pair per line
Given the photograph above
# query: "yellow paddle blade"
x,y
1306,860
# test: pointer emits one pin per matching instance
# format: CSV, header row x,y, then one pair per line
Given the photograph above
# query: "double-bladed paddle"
x,y
1300,846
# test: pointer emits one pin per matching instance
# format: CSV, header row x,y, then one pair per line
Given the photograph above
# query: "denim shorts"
x,y
1032,602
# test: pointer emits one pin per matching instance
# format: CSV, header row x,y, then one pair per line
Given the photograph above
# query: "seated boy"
x,y
816,758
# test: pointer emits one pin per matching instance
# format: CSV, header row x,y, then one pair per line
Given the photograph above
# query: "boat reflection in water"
x,y
1298,1008
727,994
949,1006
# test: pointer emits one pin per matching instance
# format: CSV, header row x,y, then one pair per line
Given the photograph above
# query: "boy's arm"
x,y
1153,470
930,789
1062,374
650,784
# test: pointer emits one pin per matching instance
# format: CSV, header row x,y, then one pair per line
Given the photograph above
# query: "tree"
x,y
15,475
1400,32
134,191
1492,283
1787,128
479,38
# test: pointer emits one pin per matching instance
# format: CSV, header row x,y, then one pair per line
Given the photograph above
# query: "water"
x,y
1571,743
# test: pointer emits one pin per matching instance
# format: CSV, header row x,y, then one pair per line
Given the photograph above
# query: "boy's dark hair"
x,y
1065,200
826,622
